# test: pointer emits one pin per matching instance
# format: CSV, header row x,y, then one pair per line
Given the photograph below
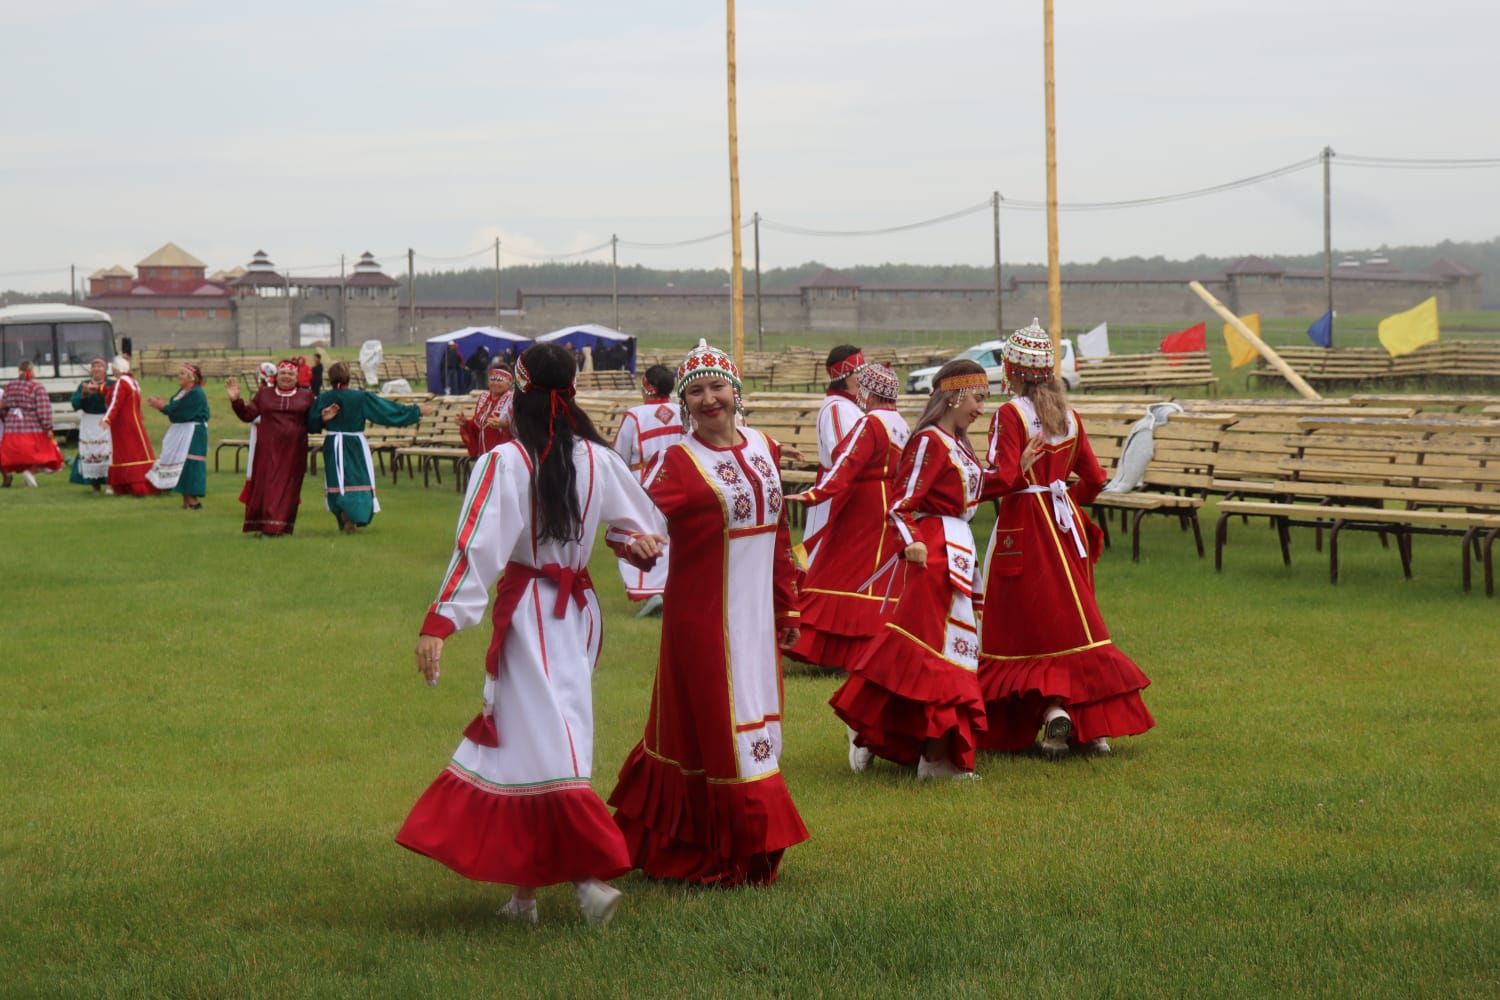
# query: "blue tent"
x,y
495,341
612,350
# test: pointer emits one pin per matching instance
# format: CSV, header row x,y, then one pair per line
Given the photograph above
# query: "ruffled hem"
x,y
1089,675
1014,723
683,827
896,728
820,649
21,451
836,614
130,483
529,836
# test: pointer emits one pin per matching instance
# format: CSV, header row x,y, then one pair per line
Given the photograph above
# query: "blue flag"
x,y
1321,332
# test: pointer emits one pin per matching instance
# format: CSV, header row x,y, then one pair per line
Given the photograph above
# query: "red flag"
x,y
1194,338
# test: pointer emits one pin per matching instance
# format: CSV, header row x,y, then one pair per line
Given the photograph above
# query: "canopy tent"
x,y
448,375
612,350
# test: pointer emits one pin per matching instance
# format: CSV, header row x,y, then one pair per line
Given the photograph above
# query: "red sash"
x,y
571,584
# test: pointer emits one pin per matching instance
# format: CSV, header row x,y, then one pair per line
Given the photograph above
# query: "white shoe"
x,y
598,901
930,769
1057,727
652,606
522,910
109,491
29,479
1098,746
859,757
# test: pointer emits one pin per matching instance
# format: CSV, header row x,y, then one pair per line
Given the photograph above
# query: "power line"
x,y
1417,163
802,231
1163,199
635,245
561,256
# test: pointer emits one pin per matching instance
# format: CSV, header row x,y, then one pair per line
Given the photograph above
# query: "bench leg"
x,y
1101,518
1284,537
1197,532
1403,546
1221,535
1135,536
1470,538
437,471
1489,562
426,469
1333,551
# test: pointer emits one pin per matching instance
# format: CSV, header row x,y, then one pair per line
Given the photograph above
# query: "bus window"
x,y
80,343
29,342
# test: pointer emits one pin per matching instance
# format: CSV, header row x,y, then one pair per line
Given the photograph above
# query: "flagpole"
x,y
736,276
1264,349
1054,277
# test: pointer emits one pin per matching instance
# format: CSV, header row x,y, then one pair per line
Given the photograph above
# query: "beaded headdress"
x,y
879,380
706,362
1028,354
843,369
287,365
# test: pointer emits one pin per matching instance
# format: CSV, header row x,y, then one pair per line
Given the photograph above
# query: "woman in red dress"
x,y
489,425
28,445
912,696
274,493
701,798
1047,660
131,455
845,592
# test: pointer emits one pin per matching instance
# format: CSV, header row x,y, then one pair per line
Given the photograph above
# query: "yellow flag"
x,y
1241,351
1405,332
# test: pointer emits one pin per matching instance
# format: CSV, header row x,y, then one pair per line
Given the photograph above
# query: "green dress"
x,y
90,467
348,469
182,465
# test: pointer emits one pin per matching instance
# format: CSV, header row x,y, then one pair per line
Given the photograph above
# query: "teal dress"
x,y
188,412
348,470
90,467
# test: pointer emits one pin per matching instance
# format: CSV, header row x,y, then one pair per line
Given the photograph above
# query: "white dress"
x,y
645,432
515,804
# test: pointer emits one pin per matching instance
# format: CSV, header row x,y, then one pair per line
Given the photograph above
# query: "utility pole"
x,y
614,276
411,294
73,283
1328,231
1054,275
736,275
999,286
341,332
760,327
497,281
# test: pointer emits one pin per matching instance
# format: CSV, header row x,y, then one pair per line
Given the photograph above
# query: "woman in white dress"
x,y
515,805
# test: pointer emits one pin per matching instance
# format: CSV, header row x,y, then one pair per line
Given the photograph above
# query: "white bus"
x,y
60,341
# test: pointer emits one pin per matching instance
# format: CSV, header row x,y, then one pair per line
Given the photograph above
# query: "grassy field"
x,y
210,740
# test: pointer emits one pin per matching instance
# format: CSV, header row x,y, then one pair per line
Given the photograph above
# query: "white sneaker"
x,y
523,910
1057,727
651,606
930,769
29,478
1098,746
109,491
859,757
598,901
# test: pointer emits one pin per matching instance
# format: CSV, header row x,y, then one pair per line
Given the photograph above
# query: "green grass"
x,y
210,740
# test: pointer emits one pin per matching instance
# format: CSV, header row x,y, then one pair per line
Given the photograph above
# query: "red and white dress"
x,y
836,418
515,804
645,432
915,679
857,579
1043,636
478,436
28,444
701,798
131,454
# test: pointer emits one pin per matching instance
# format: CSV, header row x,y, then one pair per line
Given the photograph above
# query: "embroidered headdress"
x,y
849,366
879,380
557,397
284,365
1028,354
707,362
964,383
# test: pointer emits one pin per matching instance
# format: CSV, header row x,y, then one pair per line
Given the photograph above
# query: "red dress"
x,y
836,417
854,581
701,798
26,411
1043,636
273,494
478,436
132,455
915,679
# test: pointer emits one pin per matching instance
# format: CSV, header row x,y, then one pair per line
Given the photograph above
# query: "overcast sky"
x,y
311,129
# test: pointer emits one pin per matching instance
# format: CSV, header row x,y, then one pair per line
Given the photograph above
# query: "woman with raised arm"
x,y
701,798
490,422
278,417
912,696
348,467
836,417
130,453
855,581
1047,660
182,465
91,399
515,805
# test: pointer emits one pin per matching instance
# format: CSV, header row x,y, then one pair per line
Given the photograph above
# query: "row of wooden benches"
x,y
1458,360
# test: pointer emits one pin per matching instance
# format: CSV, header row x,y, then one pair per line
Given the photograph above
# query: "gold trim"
x,y
919,642
1062,557
841,593
734,747
1048,656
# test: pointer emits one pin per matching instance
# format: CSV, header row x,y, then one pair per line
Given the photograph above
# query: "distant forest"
x,y
479,284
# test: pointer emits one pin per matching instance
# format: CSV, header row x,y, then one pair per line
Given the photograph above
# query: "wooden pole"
x,y
1054,274
736,277
1264,349
760,326
73,283
339,335
411,294
999,286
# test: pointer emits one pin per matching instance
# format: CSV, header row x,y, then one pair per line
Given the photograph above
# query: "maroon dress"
x,y
275,489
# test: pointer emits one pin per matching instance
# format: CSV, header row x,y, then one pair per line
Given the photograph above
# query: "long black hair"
x,y
547,421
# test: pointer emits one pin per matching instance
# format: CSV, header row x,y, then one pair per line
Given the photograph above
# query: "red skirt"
x,y
1099,688
29,451
542,837
687,828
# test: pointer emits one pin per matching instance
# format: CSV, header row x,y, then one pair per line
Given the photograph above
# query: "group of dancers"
x,y
946,652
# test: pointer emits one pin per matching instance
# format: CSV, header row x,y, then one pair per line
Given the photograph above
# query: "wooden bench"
x,y
1146,371
619,381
